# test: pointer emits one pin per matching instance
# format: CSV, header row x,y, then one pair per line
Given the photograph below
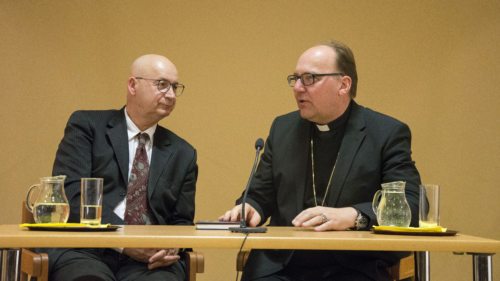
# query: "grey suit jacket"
x,y
375,149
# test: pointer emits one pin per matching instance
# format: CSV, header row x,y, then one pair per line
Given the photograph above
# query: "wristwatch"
x,y
361,222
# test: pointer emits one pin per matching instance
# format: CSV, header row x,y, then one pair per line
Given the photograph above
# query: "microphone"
x,y
259,144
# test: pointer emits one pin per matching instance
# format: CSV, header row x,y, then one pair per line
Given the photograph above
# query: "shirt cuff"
x,y
119,250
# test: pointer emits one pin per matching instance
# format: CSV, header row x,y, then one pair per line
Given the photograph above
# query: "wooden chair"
x,y
33,265
36,265
404,270
195,263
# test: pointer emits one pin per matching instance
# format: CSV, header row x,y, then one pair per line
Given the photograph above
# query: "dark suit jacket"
x,y
375,149
95,144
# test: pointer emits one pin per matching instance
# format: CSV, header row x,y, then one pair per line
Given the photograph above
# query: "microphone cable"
x,y
239,252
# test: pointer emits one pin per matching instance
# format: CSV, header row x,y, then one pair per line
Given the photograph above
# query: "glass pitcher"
x,y
47,200
392,209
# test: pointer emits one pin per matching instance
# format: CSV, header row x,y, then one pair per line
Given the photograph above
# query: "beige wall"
x,y
432,64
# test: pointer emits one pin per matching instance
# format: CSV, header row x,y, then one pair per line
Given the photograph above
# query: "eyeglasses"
x,y
164,85
308,79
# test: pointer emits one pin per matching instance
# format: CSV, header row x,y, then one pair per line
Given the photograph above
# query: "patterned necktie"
x,y
137,211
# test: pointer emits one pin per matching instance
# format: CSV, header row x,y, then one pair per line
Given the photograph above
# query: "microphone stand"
x,y
243,224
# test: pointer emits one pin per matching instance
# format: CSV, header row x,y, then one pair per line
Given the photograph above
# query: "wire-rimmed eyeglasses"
x,y
308,79
164,85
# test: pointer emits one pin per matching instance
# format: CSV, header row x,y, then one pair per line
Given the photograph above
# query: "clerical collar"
x,y
323,128
337,123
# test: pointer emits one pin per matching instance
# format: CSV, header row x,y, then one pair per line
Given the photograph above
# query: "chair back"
x,y
34,266
26,215
405,269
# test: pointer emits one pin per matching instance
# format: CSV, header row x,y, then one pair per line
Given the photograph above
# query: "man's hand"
x,y
326,218
252,216
155,258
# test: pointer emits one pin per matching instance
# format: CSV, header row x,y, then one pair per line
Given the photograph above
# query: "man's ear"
x,y
132,83
345,86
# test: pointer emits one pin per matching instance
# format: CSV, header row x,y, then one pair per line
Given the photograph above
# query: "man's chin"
x,y
165,110
166,113
311,118
305,115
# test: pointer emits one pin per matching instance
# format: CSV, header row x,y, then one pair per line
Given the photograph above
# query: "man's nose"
x,y
170,94
298,87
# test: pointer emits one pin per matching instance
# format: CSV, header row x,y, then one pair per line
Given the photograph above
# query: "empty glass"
x,y
429,205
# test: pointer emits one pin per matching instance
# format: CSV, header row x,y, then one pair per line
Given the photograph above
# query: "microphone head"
x,y
259,144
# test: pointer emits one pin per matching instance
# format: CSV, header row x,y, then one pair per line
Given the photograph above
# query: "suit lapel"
x,y
117,134
301,148
353,137
159,159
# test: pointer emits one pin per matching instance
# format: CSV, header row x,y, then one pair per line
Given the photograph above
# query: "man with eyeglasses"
x,y
321,168
149,176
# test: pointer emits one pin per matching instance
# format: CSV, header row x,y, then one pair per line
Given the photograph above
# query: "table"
x,y
161,236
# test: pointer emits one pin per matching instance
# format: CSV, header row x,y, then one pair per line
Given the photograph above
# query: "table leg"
x,y
10,264
423,266
482,266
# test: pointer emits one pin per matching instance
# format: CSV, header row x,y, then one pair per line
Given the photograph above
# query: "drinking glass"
x,y
91,200
429,205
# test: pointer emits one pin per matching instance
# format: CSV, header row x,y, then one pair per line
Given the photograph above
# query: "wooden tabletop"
x,y
160,236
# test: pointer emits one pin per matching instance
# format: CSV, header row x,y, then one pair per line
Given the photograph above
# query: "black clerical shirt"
x,y
326,149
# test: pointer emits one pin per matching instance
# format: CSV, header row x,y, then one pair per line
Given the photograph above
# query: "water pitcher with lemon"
x,y
390,205
47,200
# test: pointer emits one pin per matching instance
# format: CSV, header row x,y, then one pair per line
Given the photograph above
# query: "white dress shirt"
x,y
133,142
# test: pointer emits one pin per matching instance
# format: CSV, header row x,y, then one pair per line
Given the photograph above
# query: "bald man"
x,y
321,166
104,144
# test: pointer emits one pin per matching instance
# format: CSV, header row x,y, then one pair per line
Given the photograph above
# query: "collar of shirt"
x,y
132,131
336,124
133,141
